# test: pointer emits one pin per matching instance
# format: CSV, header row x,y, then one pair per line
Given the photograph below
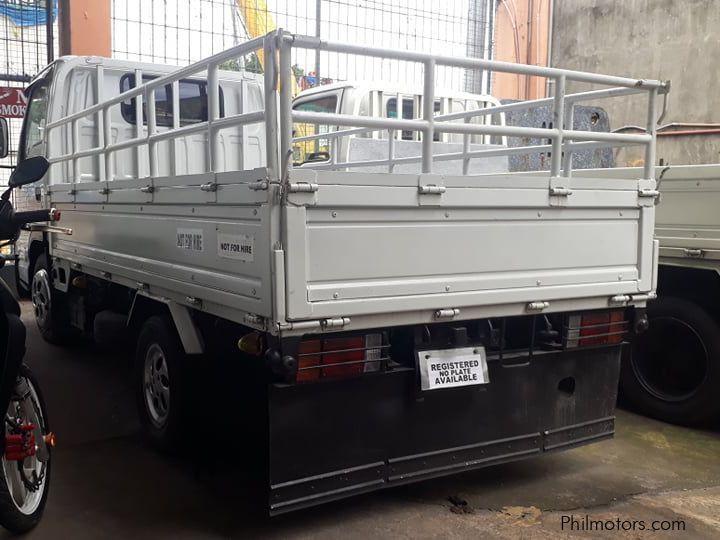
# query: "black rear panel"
x,y
335,438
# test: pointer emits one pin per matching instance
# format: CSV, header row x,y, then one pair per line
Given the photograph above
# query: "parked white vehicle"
x,y
378,100
672,371
389,326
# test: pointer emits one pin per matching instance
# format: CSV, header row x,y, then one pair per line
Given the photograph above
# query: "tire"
x,y
672,371
161,383
16,515
52,312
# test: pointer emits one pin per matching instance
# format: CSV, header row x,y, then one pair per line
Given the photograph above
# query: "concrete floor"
x,y
105,483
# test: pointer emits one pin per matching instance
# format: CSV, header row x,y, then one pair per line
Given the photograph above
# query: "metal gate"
x,y
27,44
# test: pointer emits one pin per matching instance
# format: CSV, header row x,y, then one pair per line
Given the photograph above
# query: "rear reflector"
x,y
595,328
339,357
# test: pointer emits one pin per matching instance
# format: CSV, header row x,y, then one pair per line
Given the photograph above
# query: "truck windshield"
x,y
33,137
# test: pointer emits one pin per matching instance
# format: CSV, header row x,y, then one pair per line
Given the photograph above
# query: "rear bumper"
x,y
334,439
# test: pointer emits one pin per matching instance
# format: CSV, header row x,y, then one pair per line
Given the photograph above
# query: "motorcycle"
x,y
27,442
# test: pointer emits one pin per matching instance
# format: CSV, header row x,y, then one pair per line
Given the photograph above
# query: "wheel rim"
x,y
26,500
41,296
670,360
157,385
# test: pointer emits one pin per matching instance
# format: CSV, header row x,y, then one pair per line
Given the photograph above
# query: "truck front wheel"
x,y
52,312
160,383
672,371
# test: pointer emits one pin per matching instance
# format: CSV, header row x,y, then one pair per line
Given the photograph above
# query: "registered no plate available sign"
x,y
12,102
447,368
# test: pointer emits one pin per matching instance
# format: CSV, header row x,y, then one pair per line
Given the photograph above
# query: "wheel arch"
x,y
698,285
37,245
146,305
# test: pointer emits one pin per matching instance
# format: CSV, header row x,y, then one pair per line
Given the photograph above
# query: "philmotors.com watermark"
x,y
588,524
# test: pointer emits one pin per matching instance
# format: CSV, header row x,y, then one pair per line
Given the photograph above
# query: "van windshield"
x,y
317,149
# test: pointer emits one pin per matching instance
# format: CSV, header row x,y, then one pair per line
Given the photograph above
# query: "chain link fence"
x,y
180,32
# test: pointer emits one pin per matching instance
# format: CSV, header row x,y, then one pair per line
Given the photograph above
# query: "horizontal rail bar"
x,y
179,132
474,154
529,104
420,125
308,42
129,143
241,119
363,121
607,136
77,155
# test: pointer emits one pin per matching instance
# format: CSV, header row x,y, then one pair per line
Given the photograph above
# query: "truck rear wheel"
x,y
160,383
52,312
672,371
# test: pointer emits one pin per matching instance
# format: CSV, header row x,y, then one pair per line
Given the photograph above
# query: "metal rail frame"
x,y
564,140
279,116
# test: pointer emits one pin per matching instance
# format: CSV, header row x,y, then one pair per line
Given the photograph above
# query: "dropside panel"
x,y
372,243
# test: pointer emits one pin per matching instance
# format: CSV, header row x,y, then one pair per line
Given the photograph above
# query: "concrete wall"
x,y
660,39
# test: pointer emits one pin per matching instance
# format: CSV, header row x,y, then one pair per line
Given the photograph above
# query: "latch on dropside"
x,y
323,324
694,253
431,189
623,299
559,191
537,306
647,192
302,187
448,313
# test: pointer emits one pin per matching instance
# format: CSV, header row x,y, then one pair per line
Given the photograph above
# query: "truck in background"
x,y
382,325
672,371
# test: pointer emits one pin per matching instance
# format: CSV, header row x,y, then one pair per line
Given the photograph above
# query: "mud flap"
x,y
333,439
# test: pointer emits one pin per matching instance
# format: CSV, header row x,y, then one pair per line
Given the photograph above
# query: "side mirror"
x,y
4,138
28,171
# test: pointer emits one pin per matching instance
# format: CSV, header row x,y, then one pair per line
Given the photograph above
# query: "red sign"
x,y
12,102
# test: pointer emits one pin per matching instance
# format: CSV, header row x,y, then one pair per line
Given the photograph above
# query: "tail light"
x,y
595,328
340,356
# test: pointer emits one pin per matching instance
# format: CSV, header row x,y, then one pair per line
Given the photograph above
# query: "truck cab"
x,y
378,100
71,84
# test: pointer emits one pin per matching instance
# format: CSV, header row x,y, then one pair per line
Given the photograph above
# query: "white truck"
x,y
382,325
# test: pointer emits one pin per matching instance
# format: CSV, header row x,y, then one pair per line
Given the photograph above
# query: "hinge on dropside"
x,y
449,313
694,253
619,300
253,319
431,189
338,322
260,185
302,187
537,306
559,191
